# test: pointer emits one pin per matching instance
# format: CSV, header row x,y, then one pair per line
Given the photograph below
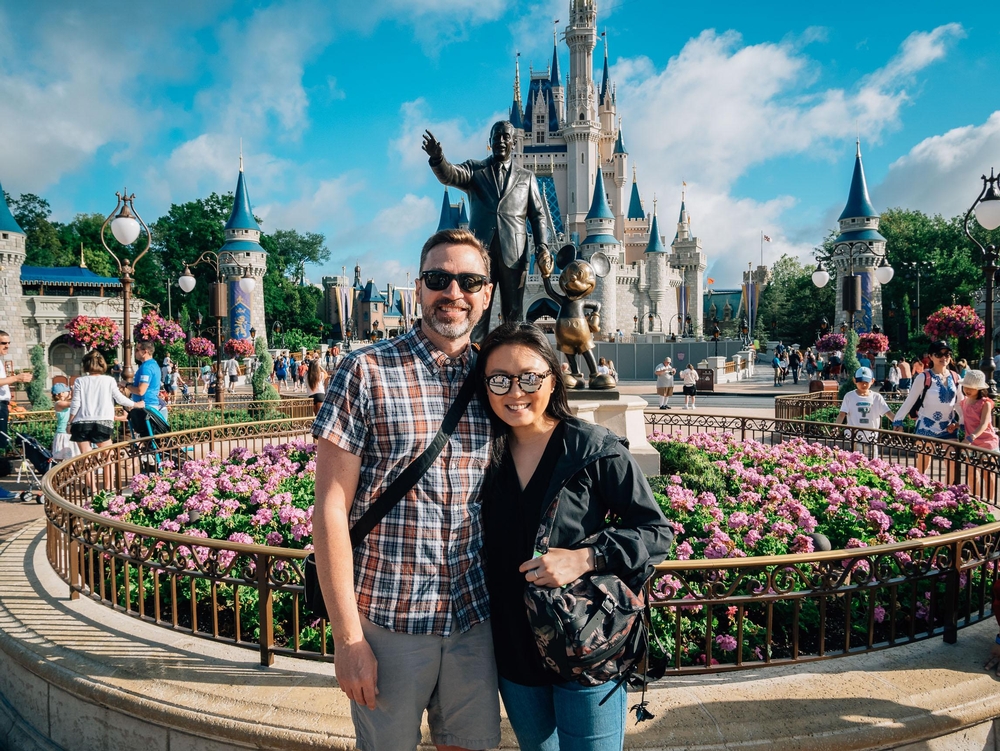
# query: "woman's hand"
x,y
558,567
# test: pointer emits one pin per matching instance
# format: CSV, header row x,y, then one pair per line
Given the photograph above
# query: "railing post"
x,y
265,610
951,587
74,560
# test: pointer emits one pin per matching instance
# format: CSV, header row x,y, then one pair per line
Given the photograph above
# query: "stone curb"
x,y
78,675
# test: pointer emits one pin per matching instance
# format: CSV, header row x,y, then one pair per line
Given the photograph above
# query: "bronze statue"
x,y
502,199
575,326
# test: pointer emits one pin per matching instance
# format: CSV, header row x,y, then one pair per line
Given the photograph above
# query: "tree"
x,y
263,391
37,388
85,231
42,245
791,307
286,299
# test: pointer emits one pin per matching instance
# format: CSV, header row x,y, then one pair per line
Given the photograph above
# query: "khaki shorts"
x,y
454,678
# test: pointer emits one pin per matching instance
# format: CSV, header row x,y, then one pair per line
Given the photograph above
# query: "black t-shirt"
x,y
511,518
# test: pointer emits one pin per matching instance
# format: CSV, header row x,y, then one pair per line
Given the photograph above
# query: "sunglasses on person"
x,y
941,354
4,342
440,280
500,383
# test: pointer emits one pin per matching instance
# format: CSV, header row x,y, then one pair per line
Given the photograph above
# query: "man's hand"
x,y
431,146
545,263
25,377
357,672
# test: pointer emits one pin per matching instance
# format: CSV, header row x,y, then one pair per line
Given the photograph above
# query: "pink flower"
x,y
726,642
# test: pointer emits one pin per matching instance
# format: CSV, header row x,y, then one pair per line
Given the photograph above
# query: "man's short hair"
x,y
505,124
454,237
146,347
4,333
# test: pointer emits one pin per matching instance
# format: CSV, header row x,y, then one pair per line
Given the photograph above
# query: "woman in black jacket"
x,y
542,454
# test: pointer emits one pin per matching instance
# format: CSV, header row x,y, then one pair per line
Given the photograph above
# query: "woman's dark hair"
x,y
530,336
94,363
315,374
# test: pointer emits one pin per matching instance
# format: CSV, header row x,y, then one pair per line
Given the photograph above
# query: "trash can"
x,y
706,379
823,386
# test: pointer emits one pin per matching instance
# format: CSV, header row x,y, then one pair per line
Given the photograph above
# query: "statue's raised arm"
x,y
432,146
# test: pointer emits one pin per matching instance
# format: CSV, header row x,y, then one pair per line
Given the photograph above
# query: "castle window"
x,y
539,137
4,235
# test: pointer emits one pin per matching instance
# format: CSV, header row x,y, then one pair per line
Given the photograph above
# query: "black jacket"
x,y
594,478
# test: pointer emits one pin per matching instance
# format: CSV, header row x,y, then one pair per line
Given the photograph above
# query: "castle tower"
x,y
246,311
582,131
619,167
656,271
607,111
858,250
636,225
558,95
600,237
12,253
689,259
516,113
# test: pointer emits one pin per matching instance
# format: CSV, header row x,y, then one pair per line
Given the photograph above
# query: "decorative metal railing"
x,y
776,609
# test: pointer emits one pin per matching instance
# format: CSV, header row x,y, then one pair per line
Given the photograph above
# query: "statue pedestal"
x,y
622,415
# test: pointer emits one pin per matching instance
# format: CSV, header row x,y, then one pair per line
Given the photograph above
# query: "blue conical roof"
x,y
242,216
599,208
7,221
620,144
655,244
445,222
858,203
635,205
463,215
604,80
515,115
554,79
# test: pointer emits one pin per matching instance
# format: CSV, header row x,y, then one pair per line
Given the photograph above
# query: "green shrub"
x,y
695,468
38,389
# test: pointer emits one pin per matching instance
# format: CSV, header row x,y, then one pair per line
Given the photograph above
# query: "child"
x,y
62,446
690,378
976,412
862,408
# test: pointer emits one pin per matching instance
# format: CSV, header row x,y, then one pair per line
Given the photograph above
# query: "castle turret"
x,y
582,131
242,253
12,253
600,237
689,259
858,250
558,95
516,113
636,225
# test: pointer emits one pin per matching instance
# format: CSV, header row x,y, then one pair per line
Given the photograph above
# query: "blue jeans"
x,y
566,717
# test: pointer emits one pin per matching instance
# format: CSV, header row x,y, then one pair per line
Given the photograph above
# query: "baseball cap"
x,y
864,374
939,348
60,388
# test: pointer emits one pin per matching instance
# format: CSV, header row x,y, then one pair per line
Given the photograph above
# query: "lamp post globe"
x,y
987,210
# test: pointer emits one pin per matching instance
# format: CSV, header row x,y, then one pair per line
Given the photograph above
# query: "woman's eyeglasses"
x,y
500,383
439,280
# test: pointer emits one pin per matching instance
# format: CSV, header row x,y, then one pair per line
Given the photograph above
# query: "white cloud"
x,y
321,206
940,175
435,22
719,108
460,139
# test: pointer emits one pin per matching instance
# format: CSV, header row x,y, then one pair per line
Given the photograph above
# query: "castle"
x,y
570,135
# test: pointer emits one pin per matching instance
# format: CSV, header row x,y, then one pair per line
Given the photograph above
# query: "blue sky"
x,y
755,105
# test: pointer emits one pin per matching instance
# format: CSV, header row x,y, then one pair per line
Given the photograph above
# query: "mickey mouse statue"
x,y
575,326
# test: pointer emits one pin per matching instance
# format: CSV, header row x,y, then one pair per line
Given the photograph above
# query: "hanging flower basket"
x,y
831,343
238,347
957,321
873,344
153,327
90,332
199,346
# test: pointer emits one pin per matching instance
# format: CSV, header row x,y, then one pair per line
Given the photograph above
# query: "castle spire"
x,y
242,216
555,79
620,143
604,80
7,221
858,203
516,113
655,244
635,210
599,208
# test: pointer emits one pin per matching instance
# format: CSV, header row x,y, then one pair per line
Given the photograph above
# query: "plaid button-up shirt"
x,y
420,571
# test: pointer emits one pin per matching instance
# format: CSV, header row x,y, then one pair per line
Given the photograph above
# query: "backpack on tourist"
x,y
915,409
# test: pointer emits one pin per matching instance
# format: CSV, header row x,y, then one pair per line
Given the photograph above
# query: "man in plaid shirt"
x,y
409,608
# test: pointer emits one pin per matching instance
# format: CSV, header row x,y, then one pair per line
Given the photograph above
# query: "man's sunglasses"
x,y
439,280
500,383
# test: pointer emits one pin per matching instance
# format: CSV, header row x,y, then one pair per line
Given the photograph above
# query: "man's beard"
x,y
454,330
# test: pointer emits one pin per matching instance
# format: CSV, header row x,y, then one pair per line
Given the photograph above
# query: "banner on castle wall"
x,y
750,295
239,312
345,304
863,322
409,307
682,306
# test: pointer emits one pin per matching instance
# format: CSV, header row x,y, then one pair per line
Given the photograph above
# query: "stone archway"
x,y
64,359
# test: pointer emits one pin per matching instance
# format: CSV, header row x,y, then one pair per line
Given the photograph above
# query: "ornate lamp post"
x,y
650,317
217,302
715,338
125,226
744,331
852,282
987,209
276,328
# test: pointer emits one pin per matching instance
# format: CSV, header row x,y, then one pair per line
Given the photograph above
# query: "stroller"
x,y
35,462
148,422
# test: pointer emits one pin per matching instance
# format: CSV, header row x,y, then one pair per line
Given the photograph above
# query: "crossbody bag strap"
x,y
416,469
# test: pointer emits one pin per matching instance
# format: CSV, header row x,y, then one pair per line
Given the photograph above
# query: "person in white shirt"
x,y
233,370
690,378
92,409
863,408
664,373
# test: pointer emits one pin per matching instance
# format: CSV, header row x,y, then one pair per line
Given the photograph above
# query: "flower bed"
x,y
831,343
726,499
